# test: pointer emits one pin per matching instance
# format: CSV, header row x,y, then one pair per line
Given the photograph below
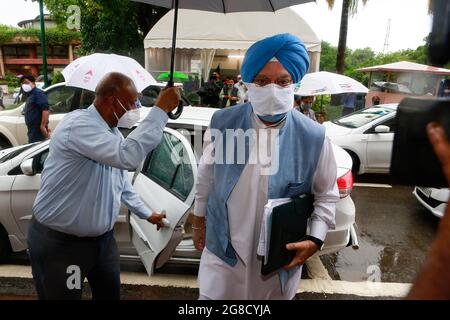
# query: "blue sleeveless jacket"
x,y
300,145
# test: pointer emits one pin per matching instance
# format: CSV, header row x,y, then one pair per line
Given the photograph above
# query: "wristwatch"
x,y
317,241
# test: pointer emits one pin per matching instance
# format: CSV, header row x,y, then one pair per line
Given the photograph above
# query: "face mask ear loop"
x,y
121,104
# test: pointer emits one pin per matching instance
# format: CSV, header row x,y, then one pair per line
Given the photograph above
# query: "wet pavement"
x,y
394,231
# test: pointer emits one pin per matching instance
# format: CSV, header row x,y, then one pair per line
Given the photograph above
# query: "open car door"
x,y
166,182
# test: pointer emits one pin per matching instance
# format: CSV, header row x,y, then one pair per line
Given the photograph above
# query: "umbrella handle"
x,y
177,114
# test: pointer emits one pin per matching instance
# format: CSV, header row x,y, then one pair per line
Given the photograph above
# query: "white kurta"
x,y
218,280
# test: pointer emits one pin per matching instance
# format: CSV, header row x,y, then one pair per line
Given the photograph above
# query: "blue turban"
x,y
286,48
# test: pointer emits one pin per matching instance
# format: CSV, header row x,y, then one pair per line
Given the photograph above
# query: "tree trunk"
x,y
340,60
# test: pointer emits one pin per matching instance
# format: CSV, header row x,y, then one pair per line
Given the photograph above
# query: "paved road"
x,y
394,231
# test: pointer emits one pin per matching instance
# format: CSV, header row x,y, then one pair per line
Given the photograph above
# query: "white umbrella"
x,y
86,72
321,83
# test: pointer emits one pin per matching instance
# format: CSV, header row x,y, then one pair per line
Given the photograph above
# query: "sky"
x,y
410,22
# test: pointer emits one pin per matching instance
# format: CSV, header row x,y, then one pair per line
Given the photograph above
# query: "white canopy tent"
x,y
201,35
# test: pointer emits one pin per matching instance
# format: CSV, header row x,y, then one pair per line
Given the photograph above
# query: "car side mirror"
x,y
27,167
382,129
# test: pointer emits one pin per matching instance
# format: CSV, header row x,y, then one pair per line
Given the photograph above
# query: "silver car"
x,y
163,182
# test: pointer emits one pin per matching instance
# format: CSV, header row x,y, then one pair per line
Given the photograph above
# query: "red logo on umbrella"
x,y
140,75
345,86
88,75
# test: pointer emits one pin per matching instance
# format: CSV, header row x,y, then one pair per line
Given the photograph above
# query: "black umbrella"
x,y
222,6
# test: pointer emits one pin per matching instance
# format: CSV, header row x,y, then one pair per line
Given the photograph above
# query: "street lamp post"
x,y
43,42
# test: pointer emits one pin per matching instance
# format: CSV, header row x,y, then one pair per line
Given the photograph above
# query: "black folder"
x,y
289,224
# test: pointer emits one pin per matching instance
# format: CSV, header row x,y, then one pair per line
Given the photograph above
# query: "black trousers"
x,y
60,263
35,134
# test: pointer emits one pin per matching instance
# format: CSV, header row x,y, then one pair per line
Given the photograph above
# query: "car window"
x,y
38,164
16,152
362,117
167,166
150,94
391,123
86,99
60,99
39,160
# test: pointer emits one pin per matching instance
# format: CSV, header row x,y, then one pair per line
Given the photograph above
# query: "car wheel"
x,y
4,144
356,162
5,246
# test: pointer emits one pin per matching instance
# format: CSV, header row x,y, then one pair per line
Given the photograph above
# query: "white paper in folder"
x,y
266,225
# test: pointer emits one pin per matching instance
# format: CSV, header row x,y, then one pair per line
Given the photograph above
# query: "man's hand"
x,y
168,99
441,146
305,249
199,233
45,132
156,218
44,122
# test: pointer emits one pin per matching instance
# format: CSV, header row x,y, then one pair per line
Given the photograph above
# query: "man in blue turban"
x,y
256,155
286,48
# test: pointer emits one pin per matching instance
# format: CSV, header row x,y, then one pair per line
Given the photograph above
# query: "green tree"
x,y
58,10
366,57
328,57
349,8
117,26
57,77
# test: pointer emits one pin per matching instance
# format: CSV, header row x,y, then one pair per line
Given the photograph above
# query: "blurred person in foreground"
x,y
433,281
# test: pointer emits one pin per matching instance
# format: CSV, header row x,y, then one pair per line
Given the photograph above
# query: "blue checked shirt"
x,y
85,176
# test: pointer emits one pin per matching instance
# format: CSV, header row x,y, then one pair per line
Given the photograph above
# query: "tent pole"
x,y
174,42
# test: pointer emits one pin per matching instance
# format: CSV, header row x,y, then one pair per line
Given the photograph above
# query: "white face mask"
x,y
271,99
129,118
27,87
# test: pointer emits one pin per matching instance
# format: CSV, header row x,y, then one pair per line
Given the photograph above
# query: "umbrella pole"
x,y
177,114
174,42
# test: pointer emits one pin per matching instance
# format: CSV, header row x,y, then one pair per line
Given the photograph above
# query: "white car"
x,y
163,182
435,200
367,135
62,99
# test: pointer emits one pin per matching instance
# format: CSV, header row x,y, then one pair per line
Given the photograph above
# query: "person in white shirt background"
x,y
243,96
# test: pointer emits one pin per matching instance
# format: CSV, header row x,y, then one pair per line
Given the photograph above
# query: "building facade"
x,y
23,54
